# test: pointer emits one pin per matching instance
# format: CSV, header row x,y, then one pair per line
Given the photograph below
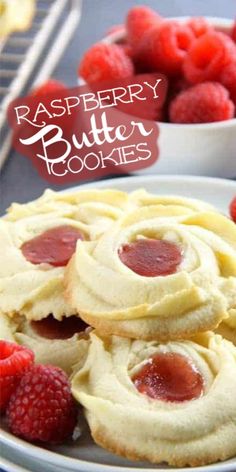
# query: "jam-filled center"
x,y
151,257
54,246
50,328
169,377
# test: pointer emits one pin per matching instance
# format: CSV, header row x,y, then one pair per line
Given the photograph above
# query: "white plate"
x,y
84,455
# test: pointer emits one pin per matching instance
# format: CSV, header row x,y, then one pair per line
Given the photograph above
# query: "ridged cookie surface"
x,y
63,353
36,290
198,296
131,424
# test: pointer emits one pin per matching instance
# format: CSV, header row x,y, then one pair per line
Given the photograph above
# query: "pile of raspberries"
x,y
198,60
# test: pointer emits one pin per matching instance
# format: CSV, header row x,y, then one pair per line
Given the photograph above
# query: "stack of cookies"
x,y
37,241
128,293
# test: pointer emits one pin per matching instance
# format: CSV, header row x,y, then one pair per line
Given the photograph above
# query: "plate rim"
x,y
70,463
146,178
86,466
9,466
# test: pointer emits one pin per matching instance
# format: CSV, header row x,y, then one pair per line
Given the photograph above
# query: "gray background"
x,y
19,180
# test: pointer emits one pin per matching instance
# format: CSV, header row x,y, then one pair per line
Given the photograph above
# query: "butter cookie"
x,y
158,278
172,402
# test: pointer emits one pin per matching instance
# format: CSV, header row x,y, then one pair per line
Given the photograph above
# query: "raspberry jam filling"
x,y
55,246
50,328
170,377
151,257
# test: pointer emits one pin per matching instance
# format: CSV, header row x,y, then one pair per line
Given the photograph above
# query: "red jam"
x,y
55,246
50,328
170,377
151,257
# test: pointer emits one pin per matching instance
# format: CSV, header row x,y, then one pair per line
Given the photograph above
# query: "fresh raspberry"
x,y
233,33
228,79
208,56
122,42
199,26
164,47
104,62
202,103
48,87
232,209
139,20
42,407
14,361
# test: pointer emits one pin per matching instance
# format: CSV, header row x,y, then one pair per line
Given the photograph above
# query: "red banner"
x,y
90,131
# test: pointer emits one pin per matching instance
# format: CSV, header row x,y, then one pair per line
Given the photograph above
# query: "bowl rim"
x,y
219,22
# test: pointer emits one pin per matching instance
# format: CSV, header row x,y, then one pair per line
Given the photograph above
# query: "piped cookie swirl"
x,y
169,402
156,278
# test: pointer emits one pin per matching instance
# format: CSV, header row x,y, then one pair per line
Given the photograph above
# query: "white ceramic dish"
x,y
10,467
201,149
84,455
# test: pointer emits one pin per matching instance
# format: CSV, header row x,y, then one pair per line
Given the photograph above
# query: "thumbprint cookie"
x,y
172,402
159,278
38,240
61,343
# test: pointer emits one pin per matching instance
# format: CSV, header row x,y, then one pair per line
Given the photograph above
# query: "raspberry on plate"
x,y
42,407
199,26
208,56
48,87
232,209
139,20
14,362
202,103
164,47
228,79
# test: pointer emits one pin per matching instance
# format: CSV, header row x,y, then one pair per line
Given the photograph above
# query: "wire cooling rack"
x,y
52,28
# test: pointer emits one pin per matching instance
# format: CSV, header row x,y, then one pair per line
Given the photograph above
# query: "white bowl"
x,y
200,149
